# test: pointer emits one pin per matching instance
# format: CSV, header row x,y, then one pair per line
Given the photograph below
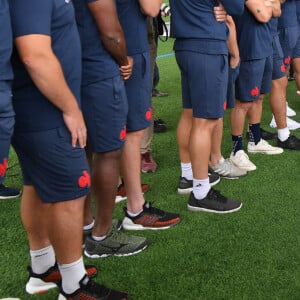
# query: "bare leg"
x,y
216,142
238,117
278,101
183,135
131,170
105,175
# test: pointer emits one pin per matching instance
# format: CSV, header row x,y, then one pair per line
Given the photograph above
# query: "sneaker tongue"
x,y
85,280
147,205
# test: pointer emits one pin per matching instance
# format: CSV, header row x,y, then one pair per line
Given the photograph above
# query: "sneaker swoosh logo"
x,y
114,249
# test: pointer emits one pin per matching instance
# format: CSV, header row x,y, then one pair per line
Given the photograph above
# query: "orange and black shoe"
x,y
150,218
121,192
90,290
40,283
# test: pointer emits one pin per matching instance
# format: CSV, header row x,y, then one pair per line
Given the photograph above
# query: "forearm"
x,y
262,10
232,45
108,25
150,8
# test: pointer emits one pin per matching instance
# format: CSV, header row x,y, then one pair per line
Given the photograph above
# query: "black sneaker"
x,y
185,186
8,192
159,126
92,291
214,202
292,143
150,218
265,135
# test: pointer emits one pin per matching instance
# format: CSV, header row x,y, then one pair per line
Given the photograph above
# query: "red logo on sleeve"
x,y
3,167
84,180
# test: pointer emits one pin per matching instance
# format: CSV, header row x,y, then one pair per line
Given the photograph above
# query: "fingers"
x,y
81,137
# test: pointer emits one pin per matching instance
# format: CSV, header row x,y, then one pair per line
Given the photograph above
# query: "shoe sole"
x,y
129,225
265,152
114,254
9,197
200,209
148,171
38,286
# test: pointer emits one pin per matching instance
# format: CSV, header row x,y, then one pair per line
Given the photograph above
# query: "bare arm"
x,y
262,10
150,8
45,70
232,45
112,36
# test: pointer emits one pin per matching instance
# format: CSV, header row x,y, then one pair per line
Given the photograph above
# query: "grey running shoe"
x,y
115,223
116,243
225,168
213,202
185,186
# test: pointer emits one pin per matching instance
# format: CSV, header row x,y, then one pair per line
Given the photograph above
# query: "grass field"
x,y
251,254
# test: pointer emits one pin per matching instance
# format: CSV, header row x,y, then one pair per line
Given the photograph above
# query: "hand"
x,y
234,61
220,13
75,123
126,70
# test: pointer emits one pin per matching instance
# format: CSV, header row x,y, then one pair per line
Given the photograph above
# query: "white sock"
x,y
200,188
186,170
99,238
71,274
132,214
89,226
283,134
42,259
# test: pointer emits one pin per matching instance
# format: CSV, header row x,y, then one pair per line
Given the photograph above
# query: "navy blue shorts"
x,y
58,171
204,81
296,51
255,78
288,39
233,74
278,65
104,106
138,90
6,125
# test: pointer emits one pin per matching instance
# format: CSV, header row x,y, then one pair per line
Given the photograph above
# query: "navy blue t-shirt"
x,y
134,24
254,38
288,16
54,18
97,63
5,42
195,28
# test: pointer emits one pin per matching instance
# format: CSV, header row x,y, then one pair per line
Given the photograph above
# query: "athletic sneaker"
x,y
148,165
263,147
150,218
266,135
225,168
8,192
242,161
292,143
185,186
289,111
213,202
115,223
90,290
116,243
40,283
121,192
291,124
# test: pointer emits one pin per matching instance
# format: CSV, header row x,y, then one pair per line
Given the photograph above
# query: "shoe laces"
x,y
148,208
217,196
147,157
95,289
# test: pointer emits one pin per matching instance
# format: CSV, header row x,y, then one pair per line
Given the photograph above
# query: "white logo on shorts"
x,y
67,1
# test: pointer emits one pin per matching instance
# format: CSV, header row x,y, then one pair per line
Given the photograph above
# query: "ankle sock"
x,y
200,188
237,143
42,259
186,170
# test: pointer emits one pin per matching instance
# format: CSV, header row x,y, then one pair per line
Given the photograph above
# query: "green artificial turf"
x,y
251,254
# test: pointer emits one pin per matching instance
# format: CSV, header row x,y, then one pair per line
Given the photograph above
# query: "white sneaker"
x,y
227,169
289,111
291,124
263,147
242,161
